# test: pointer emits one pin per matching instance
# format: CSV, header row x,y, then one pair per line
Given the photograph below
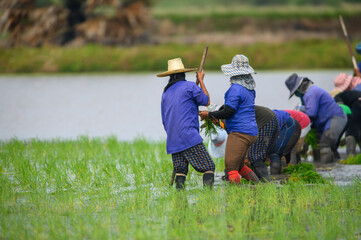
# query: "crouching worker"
x,y
325,114
179,109
239,115
268,131
290,131
294,157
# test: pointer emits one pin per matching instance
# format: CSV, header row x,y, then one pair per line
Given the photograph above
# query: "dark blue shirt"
x,y
242,101
321,107
282,116
179,109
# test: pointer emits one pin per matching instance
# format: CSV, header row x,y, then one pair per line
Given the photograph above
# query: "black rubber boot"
x,y
179,181
350,145
316,155
208,179
260,169
326,155
294,159
225,177
275,164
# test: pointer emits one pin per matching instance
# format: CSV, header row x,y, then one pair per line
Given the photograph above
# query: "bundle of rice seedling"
x,y
311,138
209,127
304,172
352,160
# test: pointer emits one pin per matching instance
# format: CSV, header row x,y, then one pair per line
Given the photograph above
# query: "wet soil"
x,y
339,174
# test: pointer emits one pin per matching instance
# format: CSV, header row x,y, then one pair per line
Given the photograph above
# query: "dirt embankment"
x,y
78,22
246,30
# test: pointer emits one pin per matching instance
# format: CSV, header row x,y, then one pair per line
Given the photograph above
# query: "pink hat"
x,y
342,82
354,82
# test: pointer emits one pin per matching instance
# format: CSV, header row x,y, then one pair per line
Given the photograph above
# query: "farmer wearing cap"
x,y
239,113
325,114
179,109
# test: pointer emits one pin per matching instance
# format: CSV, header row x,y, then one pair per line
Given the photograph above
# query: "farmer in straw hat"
x,y
325,114
239,113
179,108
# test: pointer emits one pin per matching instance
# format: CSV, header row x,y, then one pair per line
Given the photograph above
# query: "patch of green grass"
x,y
179,11
106,189
305,54
352,160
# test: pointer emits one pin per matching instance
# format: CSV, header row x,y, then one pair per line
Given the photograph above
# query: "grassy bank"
x,y
187,10
306,54
105,189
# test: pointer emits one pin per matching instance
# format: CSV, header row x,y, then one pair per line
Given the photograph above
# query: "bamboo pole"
x,y
202,62
355,68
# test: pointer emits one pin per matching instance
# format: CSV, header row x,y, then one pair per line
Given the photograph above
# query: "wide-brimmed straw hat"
x,y
175,66
342,82
217,144
239,66
292,83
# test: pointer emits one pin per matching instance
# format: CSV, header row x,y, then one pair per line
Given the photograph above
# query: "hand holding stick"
x,y
200,70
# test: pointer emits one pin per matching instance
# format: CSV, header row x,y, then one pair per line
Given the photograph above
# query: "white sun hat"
x,y
217,143
239,66
175,66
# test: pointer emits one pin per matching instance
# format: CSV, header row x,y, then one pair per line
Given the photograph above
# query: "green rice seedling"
x,y
304,172
209,127
352,160
311,138
95,188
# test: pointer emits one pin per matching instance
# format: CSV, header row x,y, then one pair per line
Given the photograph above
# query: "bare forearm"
x,y
203,87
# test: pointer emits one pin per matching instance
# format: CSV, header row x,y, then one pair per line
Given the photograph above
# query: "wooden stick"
x,y
203,59
355,68
202,62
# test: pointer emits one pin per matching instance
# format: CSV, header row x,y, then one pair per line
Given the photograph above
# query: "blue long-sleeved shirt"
x,y
179,109
242,101
321,107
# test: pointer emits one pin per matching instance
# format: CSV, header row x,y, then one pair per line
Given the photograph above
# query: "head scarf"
x,y
174,78
246,81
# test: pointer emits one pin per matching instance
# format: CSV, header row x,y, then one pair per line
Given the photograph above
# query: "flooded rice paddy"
x,y
124,105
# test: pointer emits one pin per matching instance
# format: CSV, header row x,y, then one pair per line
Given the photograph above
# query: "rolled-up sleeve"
x,y
199,96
